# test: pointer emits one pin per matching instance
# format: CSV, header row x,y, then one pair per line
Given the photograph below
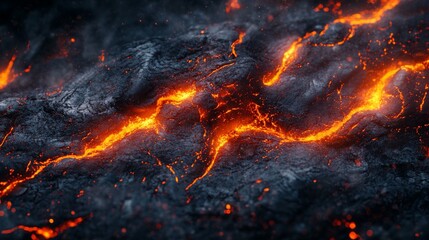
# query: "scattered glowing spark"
x,y
136,124
46,232
241,35
7,76
332,6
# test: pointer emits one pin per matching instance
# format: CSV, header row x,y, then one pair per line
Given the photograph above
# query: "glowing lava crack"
x,y
46,232
355,20
214,98
374,100
134,125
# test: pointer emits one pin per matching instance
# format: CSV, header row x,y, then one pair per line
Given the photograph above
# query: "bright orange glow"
x,y
7,76
260,124
355,20
46,232
232,5
241,35
134,125
353,235
373,100
228,209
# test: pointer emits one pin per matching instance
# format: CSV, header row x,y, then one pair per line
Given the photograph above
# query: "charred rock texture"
x,y
272,120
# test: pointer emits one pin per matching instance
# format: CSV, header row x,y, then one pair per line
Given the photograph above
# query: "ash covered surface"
x,y
164,120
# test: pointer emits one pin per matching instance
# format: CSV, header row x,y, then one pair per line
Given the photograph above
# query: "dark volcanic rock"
x,y
374,173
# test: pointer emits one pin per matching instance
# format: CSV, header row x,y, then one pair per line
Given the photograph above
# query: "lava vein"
x,y
134,125
374,100
46,232
354,20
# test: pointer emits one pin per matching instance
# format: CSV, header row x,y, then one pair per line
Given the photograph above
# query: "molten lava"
x,y
355,20
262,124
46,232
136,124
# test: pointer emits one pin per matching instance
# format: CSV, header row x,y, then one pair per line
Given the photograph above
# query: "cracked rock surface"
x,y
374,173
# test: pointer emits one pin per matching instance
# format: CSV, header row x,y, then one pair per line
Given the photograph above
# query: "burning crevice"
x,y
45,232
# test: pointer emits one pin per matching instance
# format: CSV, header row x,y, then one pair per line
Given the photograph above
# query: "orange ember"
x,y
232,5
7,76
136,124
46,232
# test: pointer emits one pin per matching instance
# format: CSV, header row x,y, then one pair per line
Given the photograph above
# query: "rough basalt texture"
x,y
375,174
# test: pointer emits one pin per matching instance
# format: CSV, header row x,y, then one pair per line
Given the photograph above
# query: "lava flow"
x,y
262,124
354,20
7,75
134,125
46,232
222,124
